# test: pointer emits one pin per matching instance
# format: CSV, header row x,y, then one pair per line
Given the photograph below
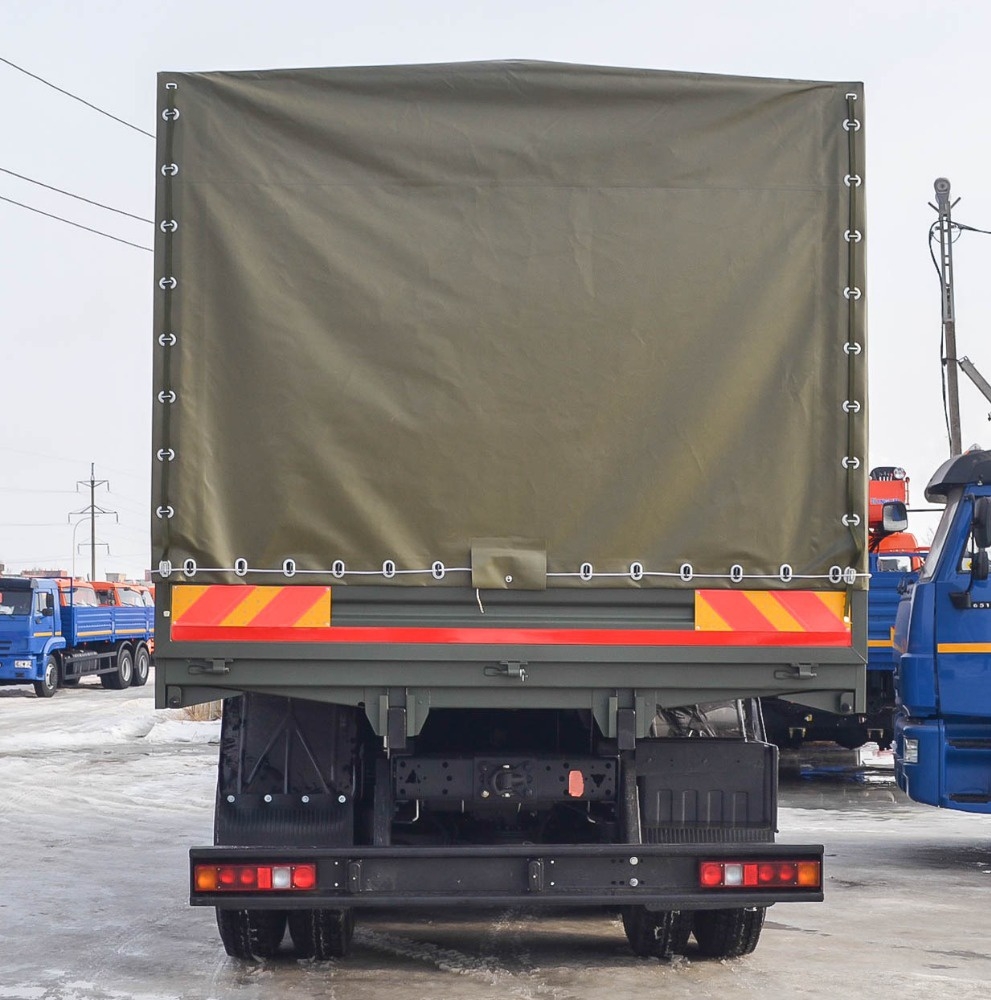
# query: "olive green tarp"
x,y
424,315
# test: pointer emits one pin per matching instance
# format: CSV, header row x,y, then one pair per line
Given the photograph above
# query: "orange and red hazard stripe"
x,y
226,613
776,610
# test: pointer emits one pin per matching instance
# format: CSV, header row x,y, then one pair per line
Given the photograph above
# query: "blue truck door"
x,y
43,619
963,632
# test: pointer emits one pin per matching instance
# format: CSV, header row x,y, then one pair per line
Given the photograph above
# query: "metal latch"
x,y
803,671
217,667
354,876
535,875
508,668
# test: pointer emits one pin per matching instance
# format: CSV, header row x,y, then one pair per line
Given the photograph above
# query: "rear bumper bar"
x,y
658,876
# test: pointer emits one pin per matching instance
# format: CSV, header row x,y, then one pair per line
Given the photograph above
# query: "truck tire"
x,y
142,663
121,677
251,934
728,933
48,684
656,933
321,934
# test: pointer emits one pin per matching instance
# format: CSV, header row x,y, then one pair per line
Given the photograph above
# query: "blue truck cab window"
x,y
939,539
15,603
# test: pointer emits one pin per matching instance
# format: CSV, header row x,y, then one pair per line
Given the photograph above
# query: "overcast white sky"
x,y
75,308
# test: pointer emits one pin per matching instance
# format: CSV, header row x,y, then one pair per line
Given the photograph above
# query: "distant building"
x,y
48,573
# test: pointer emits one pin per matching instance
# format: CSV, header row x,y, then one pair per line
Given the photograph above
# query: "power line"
x,y
79,197
35,524
75,97
24,489
68,222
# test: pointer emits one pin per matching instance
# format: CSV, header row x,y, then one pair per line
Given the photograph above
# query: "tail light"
x,y
760,874
254,878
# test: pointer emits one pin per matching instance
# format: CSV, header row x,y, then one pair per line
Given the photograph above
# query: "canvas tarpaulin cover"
x,y
411,316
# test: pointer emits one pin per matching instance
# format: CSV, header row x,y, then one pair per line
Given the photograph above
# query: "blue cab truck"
x,y
54,631
942,646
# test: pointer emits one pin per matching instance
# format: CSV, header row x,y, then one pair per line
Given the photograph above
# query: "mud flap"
x,y
287,773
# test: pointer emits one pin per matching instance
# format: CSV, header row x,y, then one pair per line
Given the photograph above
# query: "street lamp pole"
x,y
75,526
943,207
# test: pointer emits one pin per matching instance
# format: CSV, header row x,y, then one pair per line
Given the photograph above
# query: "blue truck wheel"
x,y
142,663
121,677
48,684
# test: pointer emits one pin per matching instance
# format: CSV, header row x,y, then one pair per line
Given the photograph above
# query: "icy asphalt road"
x,y
101,796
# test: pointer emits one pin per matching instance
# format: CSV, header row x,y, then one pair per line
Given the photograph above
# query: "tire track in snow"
x,y
525,984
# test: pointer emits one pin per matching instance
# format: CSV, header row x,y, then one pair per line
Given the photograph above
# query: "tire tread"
x,y
251,934
728,933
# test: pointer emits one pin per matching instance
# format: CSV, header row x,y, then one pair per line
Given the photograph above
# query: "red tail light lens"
x,y
304,877
760,874
253,878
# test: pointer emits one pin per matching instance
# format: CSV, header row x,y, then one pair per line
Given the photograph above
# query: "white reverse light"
x,y
281,878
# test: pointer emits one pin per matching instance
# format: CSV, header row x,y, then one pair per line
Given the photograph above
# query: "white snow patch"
x,y
88,716
183,731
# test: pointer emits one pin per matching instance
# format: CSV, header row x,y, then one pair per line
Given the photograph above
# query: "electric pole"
x,y
943,207
92,510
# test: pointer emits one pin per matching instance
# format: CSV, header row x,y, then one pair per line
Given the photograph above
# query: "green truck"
x,y
509,445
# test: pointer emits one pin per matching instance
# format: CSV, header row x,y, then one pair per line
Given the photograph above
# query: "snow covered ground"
x,y
101,796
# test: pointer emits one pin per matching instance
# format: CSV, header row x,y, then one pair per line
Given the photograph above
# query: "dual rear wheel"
x,y
258,934
121,676
719,933
142,665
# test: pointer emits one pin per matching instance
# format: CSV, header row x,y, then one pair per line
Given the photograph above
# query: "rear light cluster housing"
x,y
254,878
760,874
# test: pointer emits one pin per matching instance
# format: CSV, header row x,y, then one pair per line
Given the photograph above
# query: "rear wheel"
x,y
48,684
251,933
728,933
656,933
142,662
321,934
121,677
